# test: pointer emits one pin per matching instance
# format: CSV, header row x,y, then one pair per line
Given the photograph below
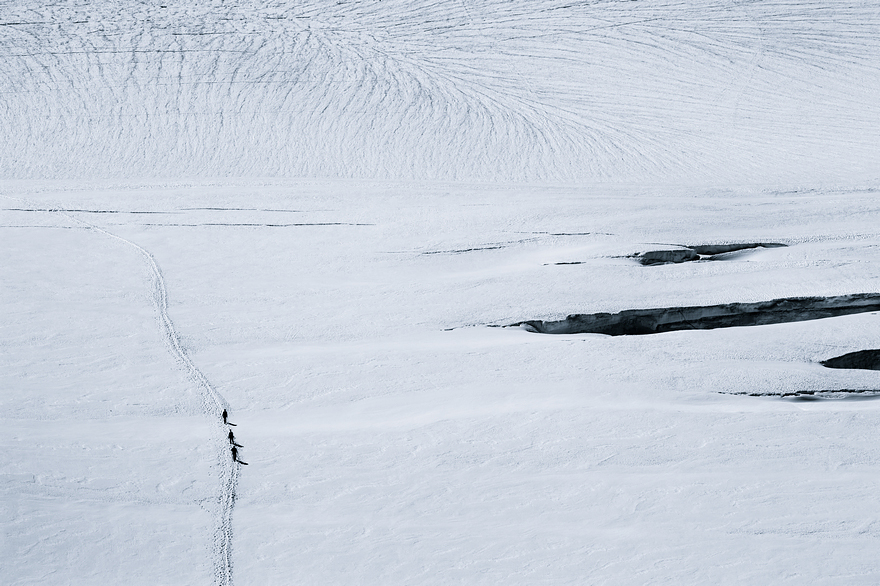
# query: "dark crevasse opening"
x,y
861,360
698,252
634,322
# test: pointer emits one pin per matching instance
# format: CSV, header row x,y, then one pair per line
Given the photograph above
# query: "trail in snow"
x,y
213,401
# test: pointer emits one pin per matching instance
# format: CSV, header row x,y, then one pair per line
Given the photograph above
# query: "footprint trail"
x,y
212,401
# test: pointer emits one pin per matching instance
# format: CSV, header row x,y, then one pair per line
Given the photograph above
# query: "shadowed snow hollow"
x,y
396,89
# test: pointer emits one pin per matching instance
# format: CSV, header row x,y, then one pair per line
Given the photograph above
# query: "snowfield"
x,y
321,217
704,91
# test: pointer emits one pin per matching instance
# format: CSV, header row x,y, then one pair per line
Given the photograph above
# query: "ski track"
x,y
212,401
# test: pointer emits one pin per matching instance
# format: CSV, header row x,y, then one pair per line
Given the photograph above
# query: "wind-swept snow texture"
x,y
545,90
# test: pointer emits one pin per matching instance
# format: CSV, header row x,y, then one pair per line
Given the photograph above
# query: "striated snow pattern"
x,y
546,90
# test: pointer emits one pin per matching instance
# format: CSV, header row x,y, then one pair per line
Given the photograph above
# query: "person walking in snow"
x,y
235,456
231,437
225,415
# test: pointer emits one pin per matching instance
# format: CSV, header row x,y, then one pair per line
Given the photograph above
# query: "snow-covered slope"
x,y
393,438
426,170
546,90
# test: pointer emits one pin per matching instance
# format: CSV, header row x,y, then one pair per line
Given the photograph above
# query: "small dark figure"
x,y
235,456
225,415
231,437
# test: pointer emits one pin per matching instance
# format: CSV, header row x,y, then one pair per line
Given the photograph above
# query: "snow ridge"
x,y
213,402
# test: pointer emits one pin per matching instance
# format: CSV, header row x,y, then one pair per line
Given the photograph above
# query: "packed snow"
x,y
324,217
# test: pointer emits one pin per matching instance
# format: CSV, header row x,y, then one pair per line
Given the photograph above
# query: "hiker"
x,y
231,437
225,415
235,456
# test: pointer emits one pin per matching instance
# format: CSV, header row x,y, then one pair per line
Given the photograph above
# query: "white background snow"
x,y
339,199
